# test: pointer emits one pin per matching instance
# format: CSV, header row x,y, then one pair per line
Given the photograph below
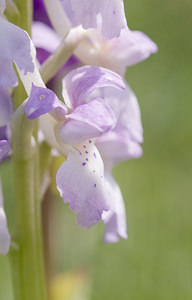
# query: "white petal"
x,y
31,77
80,181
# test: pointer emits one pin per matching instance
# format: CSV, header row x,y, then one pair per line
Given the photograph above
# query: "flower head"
x,y
108,42
72,129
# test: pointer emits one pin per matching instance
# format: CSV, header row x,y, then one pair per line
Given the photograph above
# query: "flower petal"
x,y
5,148
130,48
44,37
15,47
5,238
41,101
115,219
87,121
80,181
108,16
33,77
123,141
81,82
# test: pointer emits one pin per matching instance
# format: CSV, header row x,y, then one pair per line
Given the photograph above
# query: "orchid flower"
x,y
108,41
72,129
4,233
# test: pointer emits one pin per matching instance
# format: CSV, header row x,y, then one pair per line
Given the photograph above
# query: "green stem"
x,y
24,19
27,261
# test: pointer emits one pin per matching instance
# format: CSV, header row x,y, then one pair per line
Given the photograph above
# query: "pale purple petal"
x,y
44,37
81,82
80,182
69,11
118,148
15,47
5,148
5,238
42,101
87,121
130,48
123,142
115,219
108,16
6,108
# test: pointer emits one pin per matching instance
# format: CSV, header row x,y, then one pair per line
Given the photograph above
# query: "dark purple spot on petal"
x,y
86,159
114,12
80,153
83,164
86,152
84,146
95,185
90,141
93,171
94,154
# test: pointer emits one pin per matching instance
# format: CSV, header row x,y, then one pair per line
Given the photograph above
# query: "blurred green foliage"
x,y
156,261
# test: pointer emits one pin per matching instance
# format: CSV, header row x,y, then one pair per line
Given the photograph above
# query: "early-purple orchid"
x,y
72,129
100,46
96,111
93,121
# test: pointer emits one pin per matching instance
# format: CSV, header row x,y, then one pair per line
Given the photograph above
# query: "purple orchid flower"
x,y
5,238
110,42
81,127
115,51
72,129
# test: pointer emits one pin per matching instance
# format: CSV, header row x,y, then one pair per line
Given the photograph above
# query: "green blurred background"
x,y
156,261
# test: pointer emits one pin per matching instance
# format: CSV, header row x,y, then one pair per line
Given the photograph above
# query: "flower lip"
x,y
80,181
